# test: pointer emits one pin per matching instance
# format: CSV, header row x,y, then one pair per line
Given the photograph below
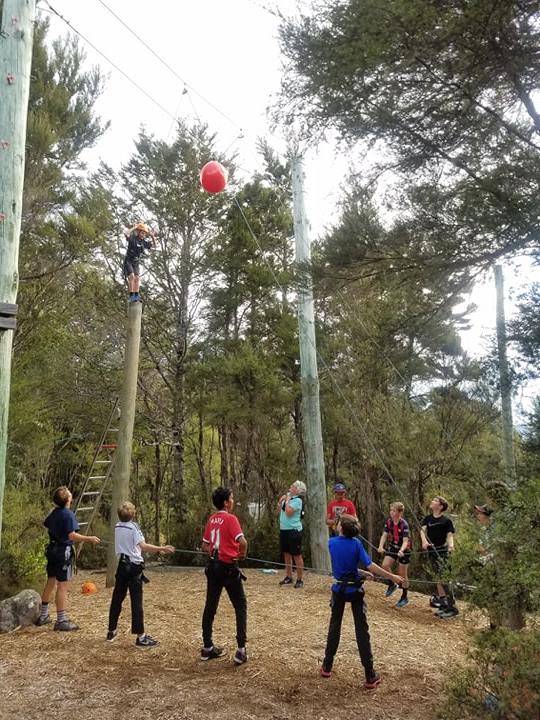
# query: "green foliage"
x,y
22,559
501,681
444,91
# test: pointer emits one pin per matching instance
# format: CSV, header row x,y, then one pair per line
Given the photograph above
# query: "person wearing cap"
x,y
483,514
337,507
139,239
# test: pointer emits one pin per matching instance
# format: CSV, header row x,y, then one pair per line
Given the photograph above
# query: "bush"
x,y
502,680
22,560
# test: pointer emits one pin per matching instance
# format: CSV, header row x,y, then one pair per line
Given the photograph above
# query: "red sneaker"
x,y
373,682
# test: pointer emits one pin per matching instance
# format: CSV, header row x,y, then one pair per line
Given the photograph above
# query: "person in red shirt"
x,y
337,507
225,544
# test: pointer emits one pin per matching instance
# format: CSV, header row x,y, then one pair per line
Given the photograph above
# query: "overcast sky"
x,y
227,55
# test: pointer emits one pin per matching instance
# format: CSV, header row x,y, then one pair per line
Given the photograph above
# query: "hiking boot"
x,y
299,584
449,613
145,642
240,657
286,580
112,635
435,601
43,621
390,590
65,626
373,681
402,602
214,652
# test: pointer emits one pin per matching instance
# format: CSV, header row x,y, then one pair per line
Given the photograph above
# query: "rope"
x,y
310,569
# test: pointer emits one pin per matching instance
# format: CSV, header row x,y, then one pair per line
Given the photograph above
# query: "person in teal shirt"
x,y
291,508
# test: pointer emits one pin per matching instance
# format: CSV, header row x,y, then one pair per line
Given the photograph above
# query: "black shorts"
x,y
131,266
392,552
59,561
290,542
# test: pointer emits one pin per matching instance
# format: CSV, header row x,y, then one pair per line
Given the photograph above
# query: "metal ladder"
x,y
87,503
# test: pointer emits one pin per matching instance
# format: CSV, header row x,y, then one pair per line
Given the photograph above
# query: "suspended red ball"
x,y
214,177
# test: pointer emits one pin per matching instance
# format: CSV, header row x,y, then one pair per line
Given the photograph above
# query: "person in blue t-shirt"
x,y
63,532
347,554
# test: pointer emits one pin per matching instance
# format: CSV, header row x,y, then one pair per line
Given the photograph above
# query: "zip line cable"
x,y
111,62
174,117
167,65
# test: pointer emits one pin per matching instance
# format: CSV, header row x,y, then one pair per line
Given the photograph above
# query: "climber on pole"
x,y
139,239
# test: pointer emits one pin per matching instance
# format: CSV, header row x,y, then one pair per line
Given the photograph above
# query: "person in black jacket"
x,y
139,239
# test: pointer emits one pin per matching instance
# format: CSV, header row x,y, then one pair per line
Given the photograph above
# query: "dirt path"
x,y
69,675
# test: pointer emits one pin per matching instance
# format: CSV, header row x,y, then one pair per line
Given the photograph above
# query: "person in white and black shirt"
x,y
129,545
437,537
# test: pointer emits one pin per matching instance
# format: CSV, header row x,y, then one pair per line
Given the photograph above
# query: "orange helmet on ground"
x,y
88,588
142,227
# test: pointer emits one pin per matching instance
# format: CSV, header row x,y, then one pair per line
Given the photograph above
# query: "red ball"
x,y
214,177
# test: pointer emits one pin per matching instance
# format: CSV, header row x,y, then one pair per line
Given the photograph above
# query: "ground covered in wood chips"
x,y
78,675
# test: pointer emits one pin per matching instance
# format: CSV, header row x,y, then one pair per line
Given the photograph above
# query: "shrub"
x,y
501,681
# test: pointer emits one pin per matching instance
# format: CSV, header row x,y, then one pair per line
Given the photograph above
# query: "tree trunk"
x,y
157,494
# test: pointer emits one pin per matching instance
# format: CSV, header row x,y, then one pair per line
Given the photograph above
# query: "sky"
x,y
227,55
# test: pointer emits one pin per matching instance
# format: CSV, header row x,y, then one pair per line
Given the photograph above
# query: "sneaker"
x,y
299,584
390,590
448,613
286,580
43,621
65,626
145,642
112,635
373,681
214,652
435,601
402,602
240,657
325,673
442,609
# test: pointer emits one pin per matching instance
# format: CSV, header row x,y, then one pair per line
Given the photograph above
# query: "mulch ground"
x,y
78,675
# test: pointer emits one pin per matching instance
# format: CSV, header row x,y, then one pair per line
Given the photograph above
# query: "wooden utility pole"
x,y
312,431
16,37
505,383
122,457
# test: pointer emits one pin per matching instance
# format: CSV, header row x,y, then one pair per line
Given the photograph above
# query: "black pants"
x,y
439,563
361,628
219,576
129,576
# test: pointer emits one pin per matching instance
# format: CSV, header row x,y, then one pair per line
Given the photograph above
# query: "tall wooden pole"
x,y
312,430
122,457
16,37
505,383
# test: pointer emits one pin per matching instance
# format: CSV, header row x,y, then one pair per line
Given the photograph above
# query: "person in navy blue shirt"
x,y
63,532
347,554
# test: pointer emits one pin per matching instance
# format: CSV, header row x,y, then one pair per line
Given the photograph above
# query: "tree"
x,y
445,92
